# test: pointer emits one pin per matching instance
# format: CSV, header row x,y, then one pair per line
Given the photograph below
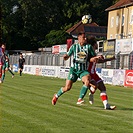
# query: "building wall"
x,y
120,23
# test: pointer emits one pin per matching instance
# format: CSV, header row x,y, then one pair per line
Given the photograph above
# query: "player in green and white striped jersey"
x,y
82,53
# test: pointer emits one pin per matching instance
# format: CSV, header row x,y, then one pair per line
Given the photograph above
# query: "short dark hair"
x,y
92,40
81,33
3,44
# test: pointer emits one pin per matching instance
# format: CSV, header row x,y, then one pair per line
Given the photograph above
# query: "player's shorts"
x,y
21,66
3,66
95,77
74,75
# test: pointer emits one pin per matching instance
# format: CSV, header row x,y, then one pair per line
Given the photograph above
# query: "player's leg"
x,y
94,79
0,68
72,77
85,77
62,90
104,96
92,91
20,72
3,73
0,72
9,70
20,69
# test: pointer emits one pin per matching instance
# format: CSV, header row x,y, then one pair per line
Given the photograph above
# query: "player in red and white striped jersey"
x,y
95,79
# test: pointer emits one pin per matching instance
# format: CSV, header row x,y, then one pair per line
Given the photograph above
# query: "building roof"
x,y
91,29
120,4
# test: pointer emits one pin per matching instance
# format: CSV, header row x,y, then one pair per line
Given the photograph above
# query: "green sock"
x,y
3,77
60,92
83,91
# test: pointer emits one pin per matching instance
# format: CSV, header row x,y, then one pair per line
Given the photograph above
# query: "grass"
x,y
26,108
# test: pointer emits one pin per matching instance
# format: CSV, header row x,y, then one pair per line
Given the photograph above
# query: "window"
x,y
124,61
100,46
117,21
112,22
123,18
131,17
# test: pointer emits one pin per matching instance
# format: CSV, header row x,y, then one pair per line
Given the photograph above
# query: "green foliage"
x,y
56,38
35,20
26,108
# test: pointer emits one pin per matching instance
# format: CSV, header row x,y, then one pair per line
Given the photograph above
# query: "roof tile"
x,y
120,4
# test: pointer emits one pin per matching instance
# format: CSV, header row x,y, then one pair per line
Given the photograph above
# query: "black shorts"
x,y
21,66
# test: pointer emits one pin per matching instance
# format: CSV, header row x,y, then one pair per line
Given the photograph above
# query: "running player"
x,y
6,67
81,53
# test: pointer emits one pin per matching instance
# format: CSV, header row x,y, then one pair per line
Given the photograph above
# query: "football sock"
x,y
3,77
59,93
83,91
104,98
20,72
10,71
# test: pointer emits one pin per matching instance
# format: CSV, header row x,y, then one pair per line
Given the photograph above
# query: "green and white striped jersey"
x,y
81,56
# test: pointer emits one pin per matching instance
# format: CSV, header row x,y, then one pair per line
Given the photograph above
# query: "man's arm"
x,y
96,58
69,53
106,59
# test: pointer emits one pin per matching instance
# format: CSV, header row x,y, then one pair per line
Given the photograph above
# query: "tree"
x,y
30,24
56,38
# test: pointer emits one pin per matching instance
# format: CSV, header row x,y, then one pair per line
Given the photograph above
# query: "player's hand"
x,y
113,58
100,58
65,57
95,59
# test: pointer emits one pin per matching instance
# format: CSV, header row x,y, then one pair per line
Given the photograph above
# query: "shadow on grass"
x,y
119,108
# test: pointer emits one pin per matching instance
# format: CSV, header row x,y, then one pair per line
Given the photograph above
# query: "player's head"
x,y
3,45
92,40
81,38
21,55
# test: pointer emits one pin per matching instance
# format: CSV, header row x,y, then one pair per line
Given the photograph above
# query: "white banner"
x,y
59,49
118,77
64,72
124,46
30,69
107,75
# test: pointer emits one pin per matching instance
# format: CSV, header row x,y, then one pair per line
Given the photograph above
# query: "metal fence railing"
x,y
124,61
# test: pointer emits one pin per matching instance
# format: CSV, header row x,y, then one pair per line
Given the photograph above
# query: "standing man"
x,y
95,79
21,64
82,53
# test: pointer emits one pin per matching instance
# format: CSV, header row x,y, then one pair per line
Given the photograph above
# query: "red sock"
x,y
103,96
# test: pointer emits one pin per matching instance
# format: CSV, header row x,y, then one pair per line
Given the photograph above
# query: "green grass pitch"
x,y
25,107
